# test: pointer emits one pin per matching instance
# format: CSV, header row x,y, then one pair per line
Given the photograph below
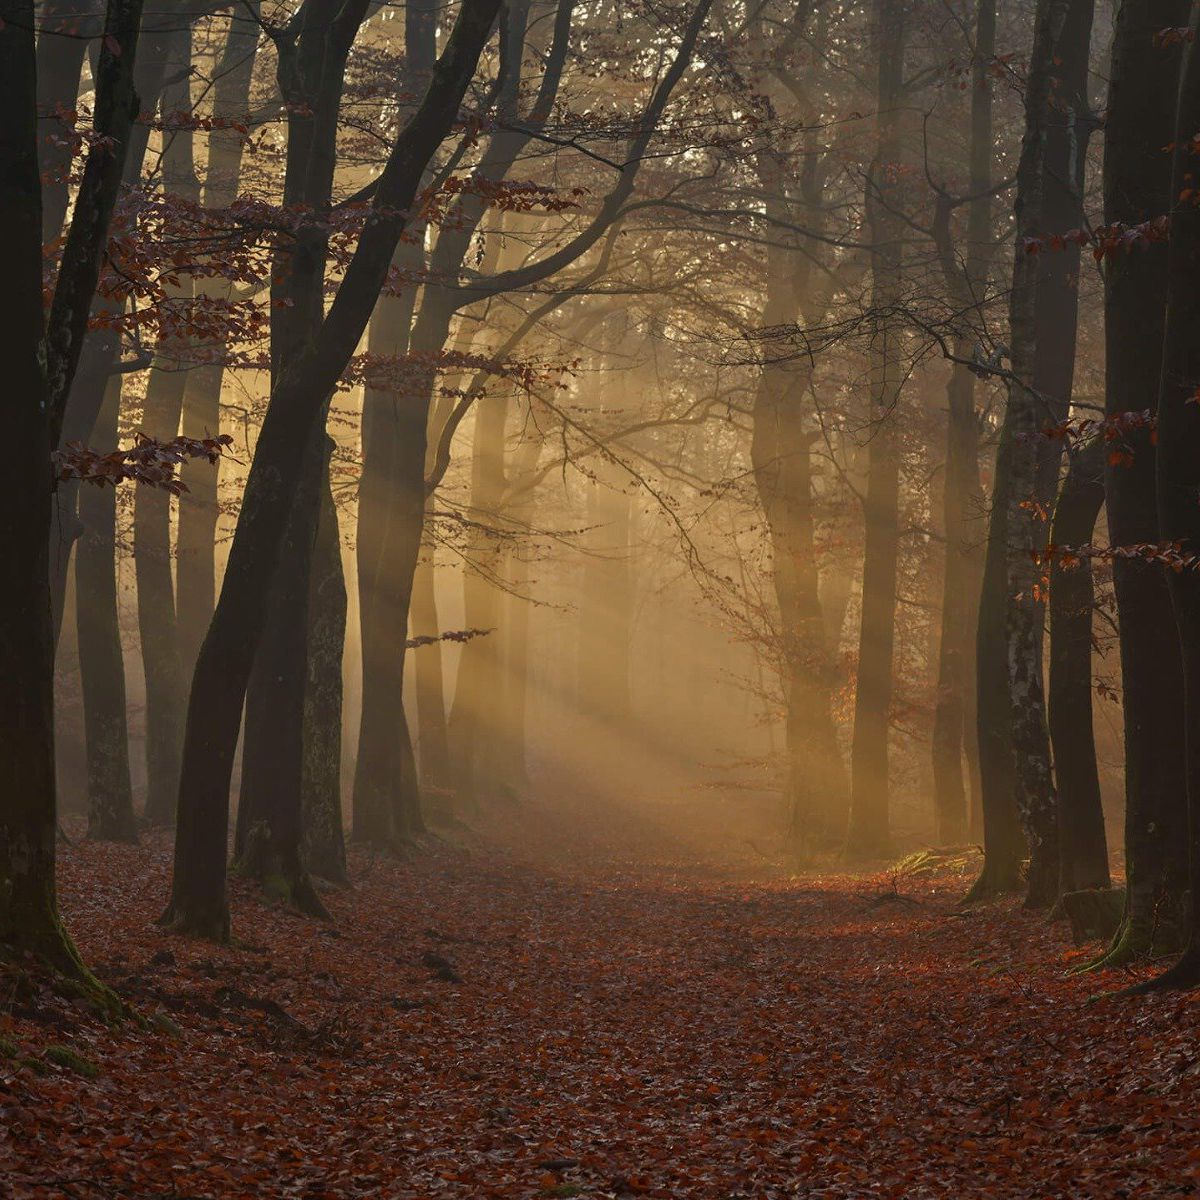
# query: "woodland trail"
x,y
478,1025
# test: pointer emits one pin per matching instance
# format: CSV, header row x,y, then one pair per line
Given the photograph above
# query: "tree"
x,y
1178,471
1139,122
198,902
1018,785
868,835
42,354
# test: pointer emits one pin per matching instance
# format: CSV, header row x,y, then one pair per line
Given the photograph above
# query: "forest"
x,y
601,598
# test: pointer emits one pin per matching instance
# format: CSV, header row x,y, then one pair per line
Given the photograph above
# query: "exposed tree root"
x,y
212,926
50,947
991,885
1182,977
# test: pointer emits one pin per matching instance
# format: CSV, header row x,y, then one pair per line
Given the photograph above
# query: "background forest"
x,y
730,440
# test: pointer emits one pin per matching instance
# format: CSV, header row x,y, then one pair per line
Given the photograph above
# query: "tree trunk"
x,y
101,664
100,347
199,510
515,627
321,807
1013,733
1083,847
1143,89
38,370
433,751
166,686
198,900
269,835
477,704
59,68
384,741
1067,127
1178,472
869,835
953,736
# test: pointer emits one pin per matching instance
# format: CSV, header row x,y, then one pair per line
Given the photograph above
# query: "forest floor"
x,y
506,1015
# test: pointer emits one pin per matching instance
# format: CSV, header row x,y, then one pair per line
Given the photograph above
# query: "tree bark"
x,y
869,835
166,685
321,787
40,362
1178,473
269,835
101,663
433,750
1140,120
1083,846
1014,737
198,900
953,733
199,509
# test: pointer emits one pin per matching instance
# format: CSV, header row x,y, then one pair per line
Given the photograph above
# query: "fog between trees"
x,y
769,427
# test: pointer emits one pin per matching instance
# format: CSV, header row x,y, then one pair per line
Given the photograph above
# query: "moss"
x,y
64,1056
164,1024
34,1064
8,1049
276,888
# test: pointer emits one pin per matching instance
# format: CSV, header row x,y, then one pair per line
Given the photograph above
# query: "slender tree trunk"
x,y
433,751
166,686
515,627
321,788
385,752
1083,846
606,603
199,509
1140,120
952,736
780,450
1067,127
101,664
475,712
101,346
869,835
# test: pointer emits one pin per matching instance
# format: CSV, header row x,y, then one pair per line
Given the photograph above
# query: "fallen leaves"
x,y
613,1033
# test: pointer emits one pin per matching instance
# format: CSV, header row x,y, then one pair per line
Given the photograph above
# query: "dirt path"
x,y
613,1032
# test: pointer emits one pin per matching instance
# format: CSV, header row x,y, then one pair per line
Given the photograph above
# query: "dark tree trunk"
x,y
1178,473
1083,847
101,663
40,363
269,835
1013,733
28,900
1068,124
869,835
98,350
198,901
1143,88
324,840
